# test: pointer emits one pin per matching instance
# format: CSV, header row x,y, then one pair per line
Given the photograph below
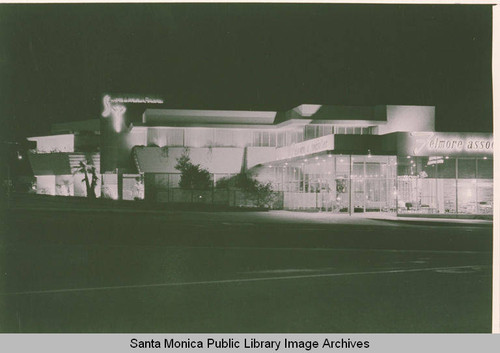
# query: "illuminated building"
x,y
341,159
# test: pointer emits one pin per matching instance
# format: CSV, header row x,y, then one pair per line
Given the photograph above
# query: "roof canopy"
x,y
176,117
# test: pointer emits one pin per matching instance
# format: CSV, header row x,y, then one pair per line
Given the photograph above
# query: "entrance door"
x,y
358,187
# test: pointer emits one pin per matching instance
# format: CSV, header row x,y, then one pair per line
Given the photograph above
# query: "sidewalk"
x,y
231,215
378,216
409,219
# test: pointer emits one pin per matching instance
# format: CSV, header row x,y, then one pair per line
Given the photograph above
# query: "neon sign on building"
x,y
430,143
114,107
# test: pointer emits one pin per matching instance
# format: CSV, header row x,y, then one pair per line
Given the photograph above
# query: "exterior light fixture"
x,y
369,153
447,157
485,157
408,157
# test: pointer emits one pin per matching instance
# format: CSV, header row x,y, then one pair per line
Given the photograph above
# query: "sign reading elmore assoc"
x,y
445,144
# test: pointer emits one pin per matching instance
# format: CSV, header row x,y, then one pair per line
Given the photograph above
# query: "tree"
x,y
242,181
86,168
261,193
193,176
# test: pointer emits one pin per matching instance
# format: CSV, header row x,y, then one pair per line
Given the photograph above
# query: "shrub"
x,y
193,176
261,194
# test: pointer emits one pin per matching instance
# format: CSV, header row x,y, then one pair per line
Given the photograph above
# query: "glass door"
x,y
358,187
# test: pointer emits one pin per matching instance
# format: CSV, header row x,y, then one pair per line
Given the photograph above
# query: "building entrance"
x,y
338,184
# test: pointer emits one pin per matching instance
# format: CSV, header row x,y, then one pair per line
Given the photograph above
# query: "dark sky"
x,y
56,61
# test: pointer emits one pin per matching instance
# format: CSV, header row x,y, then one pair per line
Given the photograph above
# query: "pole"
x,y
350,185
397,187
456,186
8,183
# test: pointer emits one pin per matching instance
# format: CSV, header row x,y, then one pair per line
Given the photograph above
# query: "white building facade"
x,y
340,159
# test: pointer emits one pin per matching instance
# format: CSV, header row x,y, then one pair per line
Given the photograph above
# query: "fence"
x,y
222,197
172,199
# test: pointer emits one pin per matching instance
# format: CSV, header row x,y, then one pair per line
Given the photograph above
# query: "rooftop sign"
x,y
114,105
143,100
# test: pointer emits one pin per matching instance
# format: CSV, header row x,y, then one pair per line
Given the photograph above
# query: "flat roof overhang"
x,y
295,160
344,145
317,158
196,117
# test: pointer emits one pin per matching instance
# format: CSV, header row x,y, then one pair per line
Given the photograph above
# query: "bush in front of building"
x,y
193,176
259,194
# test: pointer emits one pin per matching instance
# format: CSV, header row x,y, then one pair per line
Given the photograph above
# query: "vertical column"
x,y
395,174
120,183
475,187
456,185
350,185
436,178
364,186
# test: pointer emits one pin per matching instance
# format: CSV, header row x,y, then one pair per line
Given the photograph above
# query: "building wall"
x,y
64,185
163,160
46,184
259,155
138,137
222,137
55,143
408,118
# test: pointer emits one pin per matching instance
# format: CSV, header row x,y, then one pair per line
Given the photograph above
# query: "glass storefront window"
x,y
447,169
484,196
427,198
358,170
373,170
429,185
466,168
406,166
342,166
445,185
447,192
485,168
466,196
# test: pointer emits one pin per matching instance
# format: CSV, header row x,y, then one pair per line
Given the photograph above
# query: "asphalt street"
x,y
241,272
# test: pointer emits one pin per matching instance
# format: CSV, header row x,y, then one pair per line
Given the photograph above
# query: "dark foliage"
x,y
193,176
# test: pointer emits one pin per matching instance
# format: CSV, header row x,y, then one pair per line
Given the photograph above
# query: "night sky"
x,y
56,61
